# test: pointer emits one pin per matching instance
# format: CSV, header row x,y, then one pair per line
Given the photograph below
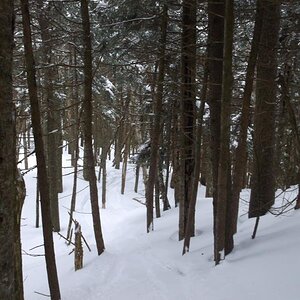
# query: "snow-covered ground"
x,y
141,266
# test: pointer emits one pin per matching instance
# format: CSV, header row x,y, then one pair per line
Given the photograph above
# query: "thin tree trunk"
x,y
21,194
25,150
52,126
40,155
37,205
59,151
87,110
75,162
124,165
255,228
167,162
215,70
137,175
160,178
157,199
192,206
155,132
241,150
297,206
223,238
104,176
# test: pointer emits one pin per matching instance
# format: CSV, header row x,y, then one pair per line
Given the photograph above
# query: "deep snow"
x,y
141,266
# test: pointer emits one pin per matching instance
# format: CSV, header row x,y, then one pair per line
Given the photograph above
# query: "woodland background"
x,y
188,91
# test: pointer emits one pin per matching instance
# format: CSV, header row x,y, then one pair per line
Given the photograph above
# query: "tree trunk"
x,y
160,178
223,237
188,94
215,70
137,176
124,165
37,205
104,174
192,207
157,199
52,126
297,206
168,155
263,181
241,150
25,150
87,110
11,287
206,166
75,148
155,132
21,194
40,155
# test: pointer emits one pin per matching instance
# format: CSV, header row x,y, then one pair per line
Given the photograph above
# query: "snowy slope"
x,y
141,266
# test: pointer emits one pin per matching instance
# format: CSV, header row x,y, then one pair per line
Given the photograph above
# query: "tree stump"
x,y
78,247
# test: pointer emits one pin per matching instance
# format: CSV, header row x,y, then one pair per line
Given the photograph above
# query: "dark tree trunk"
x,y
104,174
188,94
21,194
25,150
215,70
241,150
125,160
223,236
192,207
162,188
52,126
206,169
137,176
125,137
157,199
168,154
297,206
37,205
11,284
87,113
40,155
263,181
75,162
155,132
215,66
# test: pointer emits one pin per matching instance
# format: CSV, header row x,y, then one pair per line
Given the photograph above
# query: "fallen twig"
x,y
42,294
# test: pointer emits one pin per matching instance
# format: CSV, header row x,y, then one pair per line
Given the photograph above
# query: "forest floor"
x,y
141,266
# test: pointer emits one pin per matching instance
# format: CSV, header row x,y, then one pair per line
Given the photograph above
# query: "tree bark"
x,y
215,69
223,237
11,284
125,160
137,176
155,132
263,181
241,150
52,126
75,162
104,174
192,206
188,99
87,113
21,194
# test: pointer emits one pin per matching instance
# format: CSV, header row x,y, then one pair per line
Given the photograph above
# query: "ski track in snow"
x,y
141,266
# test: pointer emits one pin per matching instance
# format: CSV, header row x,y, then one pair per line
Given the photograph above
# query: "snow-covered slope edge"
x,y
142,266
